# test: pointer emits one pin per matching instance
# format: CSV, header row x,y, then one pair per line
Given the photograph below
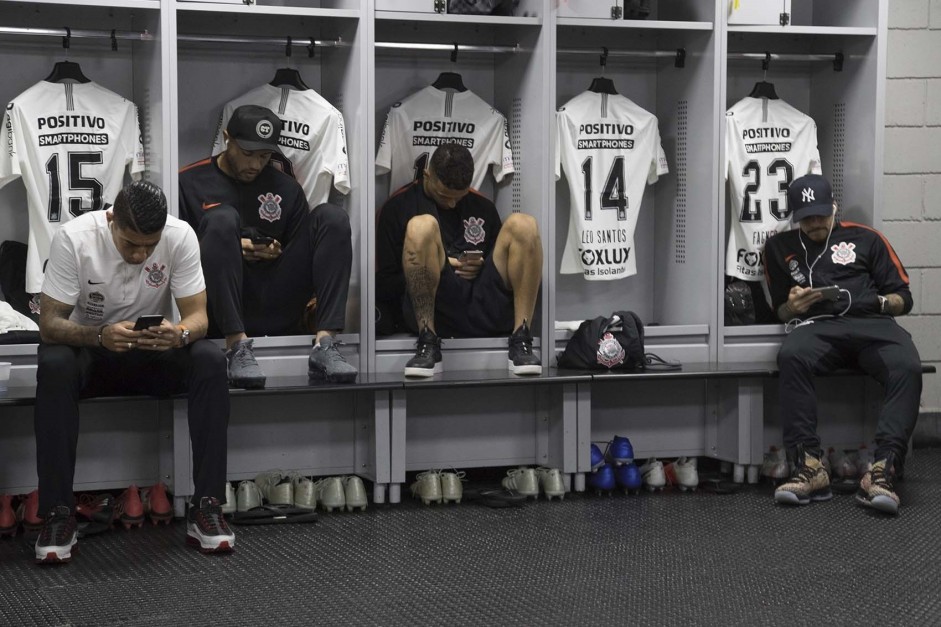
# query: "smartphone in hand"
x,y
147,321
831,292
262,240
468,255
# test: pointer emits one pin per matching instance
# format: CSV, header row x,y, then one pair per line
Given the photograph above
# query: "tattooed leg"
x,y
422,259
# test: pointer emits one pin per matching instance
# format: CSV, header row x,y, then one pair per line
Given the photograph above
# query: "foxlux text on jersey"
x,y
71,121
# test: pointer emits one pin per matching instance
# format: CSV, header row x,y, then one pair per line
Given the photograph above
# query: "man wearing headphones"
x,y
838,286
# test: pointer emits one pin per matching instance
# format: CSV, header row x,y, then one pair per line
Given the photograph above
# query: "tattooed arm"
x,y
56,328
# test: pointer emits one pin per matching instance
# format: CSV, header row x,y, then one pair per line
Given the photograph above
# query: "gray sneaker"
x,y
243,369
327,364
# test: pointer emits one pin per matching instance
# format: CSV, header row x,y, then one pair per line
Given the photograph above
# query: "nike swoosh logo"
x,y
90,282
210,205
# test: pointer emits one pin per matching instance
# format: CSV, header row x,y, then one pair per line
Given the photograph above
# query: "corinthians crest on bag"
x,y
615,343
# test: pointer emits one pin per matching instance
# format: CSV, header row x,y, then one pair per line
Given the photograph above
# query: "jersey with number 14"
x,y
70,143
609,148
768,144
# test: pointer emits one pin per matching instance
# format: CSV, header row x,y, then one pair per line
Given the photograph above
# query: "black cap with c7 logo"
x,y
255,128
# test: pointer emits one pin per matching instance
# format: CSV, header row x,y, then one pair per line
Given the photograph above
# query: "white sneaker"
x,y
523,481
282,492
685,475
355,493
451,488
330,493
652,472
265,480
774,465
305,493
551,482
427,487
248,496
230,500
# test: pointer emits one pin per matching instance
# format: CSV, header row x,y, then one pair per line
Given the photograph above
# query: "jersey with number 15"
x,y
768,144
609,148
70,143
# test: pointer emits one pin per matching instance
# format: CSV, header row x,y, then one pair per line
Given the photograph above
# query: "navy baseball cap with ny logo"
x,y
255,128
809,195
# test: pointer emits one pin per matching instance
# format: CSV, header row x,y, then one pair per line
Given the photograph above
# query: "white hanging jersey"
x,y
768,144
313,142
609,149
70,143
431,117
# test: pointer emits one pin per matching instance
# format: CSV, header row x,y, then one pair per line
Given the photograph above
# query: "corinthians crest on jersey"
x,y
270,208
156,274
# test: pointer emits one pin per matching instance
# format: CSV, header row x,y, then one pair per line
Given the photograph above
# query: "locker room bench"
x,y
367,433
317,429
361,434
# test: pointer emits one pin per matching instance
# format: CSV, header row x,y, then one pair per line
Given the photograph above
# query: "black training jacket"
x,y
273,204
857,258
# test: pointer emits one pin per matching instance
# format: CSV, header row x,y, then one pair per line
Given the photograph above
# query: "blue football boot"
x,y
620,451
628,477
603,479
597,457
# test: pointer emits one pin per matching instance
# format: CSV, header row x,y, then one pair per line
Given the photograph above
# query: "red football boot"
x,y
128,509
7,516
156,504
27,512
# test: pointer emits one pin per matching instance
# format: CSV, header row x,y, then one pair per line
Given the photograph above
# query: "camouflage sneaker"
x,y
808,482
243,368
875,488
327,364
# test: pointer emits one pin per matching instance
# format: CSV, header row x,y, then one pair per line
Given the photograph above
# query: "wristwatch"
x,y
184,336
883,303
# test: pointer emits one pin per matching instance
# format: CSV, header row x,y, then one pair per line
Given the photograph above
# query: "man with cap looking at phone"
x,y
265,252
852,325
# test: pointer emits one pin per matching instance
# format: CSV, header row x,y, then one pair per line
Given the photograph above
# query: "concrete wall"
x,y
912,202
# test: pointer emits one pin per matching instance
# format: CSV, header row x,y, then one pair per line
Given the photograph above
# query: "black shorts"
x,y
479,308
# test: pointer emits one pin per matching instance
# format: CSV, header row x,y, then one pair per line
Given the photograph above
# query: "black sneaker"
x,y
206,526
59,534
521,359
427,359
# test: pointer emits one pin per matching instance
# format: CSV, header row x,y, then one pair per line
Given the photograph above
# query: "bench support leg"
x,y
397,445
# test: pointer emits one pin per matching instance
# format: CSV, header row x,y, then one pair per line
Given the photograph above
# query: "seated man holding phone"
x,y
265,252
838,286
448,266
107,302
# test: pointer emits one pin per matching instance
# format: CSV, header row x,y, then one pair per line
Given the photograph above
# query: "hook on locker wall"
x,y
287,47
67,40
114,41
680,60
766,63
604,57
311,48
838,62
454,53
